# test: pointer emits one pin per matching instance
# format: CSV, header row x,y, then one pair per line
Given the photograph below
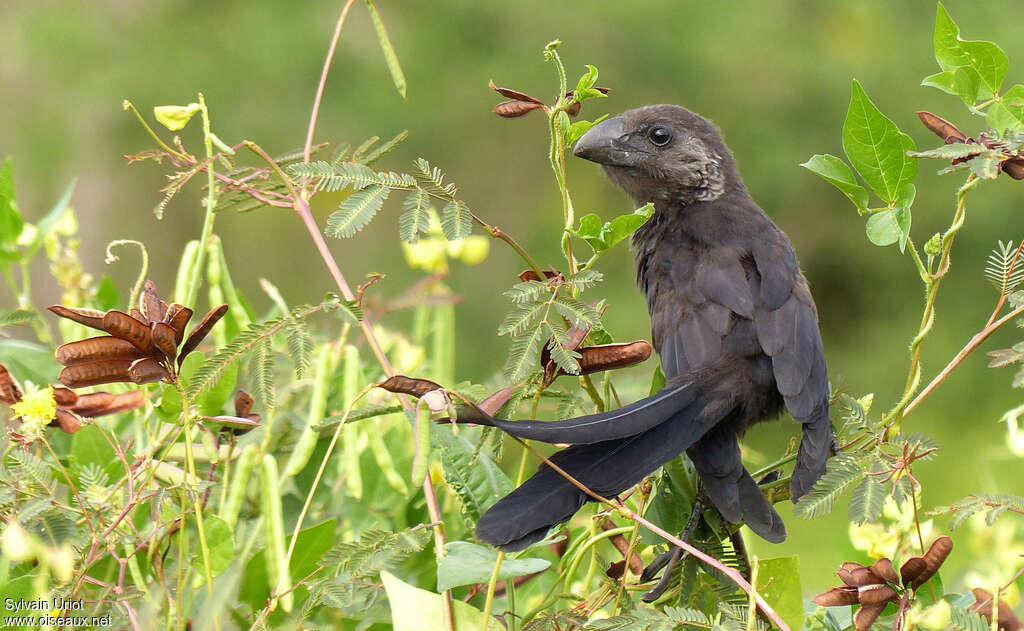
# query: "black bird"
x,y
732,319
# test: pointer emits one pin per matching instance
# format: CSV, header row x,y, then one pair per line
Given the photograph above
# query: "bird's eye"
x,y
660,135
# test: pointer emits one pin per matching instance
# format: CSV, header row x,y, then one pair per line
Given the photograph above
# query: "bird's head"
x,y
661,153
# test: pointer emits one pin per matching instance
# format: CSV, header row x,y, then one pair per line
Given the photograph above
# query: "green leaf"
x,y
950,152
778,581
466,563
356,211
839,174
456,220
522,355
579,314
17,316
220,538
415,218
11,222
889,226
577,129
984,59
46,224
478,483
395,68
107,294
601,237
414,609
840,472
311,544
29,361
876,147
986,165
516,322
1007,114
867,501
175,117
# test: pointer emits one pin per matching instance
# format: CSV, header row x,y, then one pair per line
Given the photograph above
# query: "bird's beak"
x,y
608,143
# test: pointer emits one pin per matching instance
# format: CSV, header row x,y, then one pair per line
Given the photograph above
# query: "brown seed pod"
x,y
529,274
178,317
96,349
911,570
199,333
493,403
232,422
934,558
874,594
1007,620
1014,168
137,314
515,109
513,94
10,393
103,403
400,384
837,597
243,403
95,373
866,616
163,338
147,370
612,356
65,397
88,317
882,568
69,422
120,324
942,128
153,309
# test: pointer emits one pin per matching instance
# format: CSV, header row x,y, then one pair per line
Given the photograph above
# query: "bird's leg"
x,y
671,557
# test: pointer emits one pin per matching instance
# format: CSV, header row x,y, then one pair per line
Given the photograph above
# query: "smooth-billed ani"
x,y
732,319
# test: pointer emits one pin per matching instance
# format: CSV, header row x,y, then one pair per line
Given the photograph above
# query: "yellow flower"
x,y
36,409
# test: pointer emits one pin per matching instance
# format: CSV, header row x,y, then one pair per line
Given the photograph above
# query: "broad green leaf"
x,y
29,361
478,484
466,563
839,174
356,211
220,538
51,218
778,581
1008,112
175,117
876,147
312,543
415,609
889,226
945,81
11,222
107,294
984,59
603,236
394,67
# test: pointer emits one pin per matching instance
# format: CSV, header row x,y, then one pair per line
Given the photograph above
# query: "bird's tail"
x,y
607,468
816,445
733,492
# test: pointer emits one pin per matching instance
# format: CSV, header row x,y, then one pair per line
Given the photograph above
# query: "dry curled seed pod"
x,y
65,397
515,109
612,356
942,128
153,309
10,393
493,403
163,338
838,597
513,94
95,373
1007,620
866,616
883,569
874,594
199,333
933,560
400,384
102,403
68,421
88,317
137,314
94,349
178,319
243,403
120,324
147,370
1014,168
529,274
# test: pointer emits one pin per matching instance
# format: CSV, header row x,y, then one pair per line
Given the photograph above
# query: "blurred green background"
x,y
774,76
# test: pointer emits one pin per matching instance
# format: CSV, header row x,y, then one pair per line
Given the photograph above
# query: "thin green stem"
x,y
192,291
133,299
489,601
126,104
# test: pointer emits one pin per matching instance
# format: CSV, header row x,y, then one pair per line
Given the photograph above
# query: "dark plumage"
x,y
732,319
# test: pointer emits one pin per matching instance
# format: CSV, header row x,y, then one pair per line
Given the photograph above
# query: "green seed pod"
x,y
323,368
239,482
273,534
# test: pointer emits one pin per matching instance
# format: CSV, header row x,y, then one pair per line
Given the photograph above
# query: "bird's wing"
x,y
787,329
